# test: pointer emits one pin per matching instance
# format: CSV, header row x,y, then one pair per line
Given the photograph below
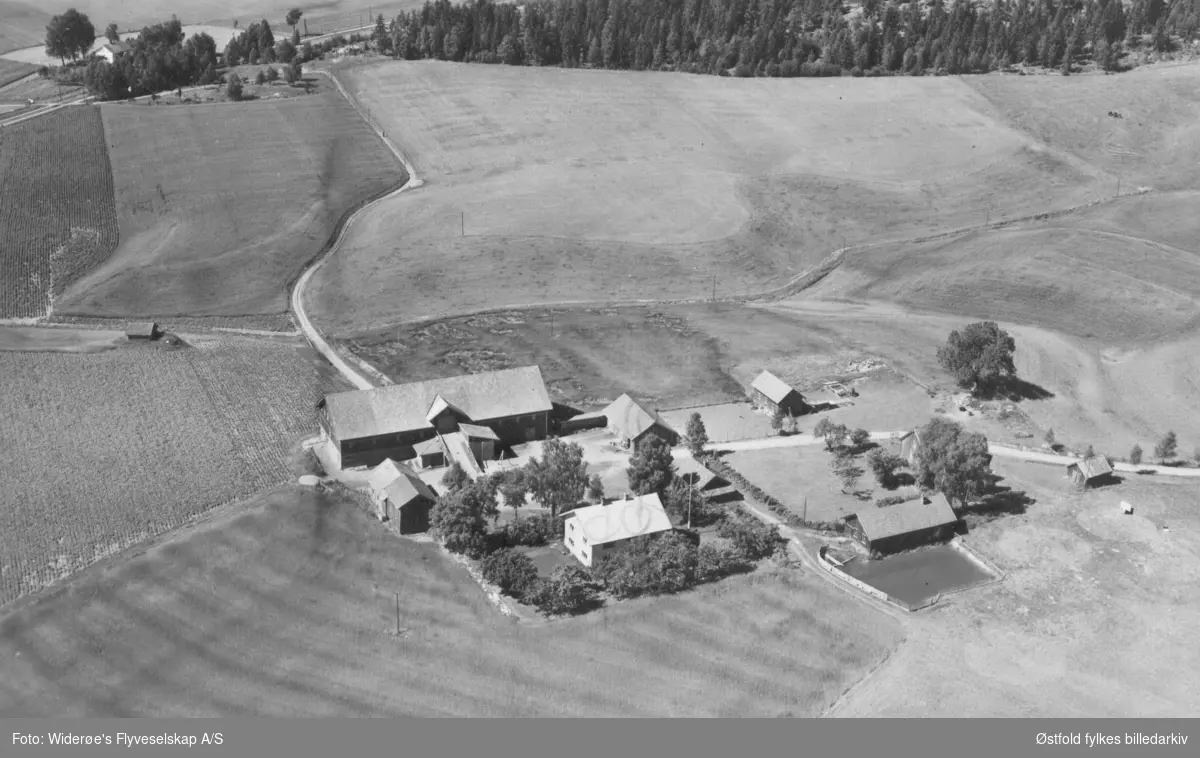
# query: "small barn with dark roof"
x,y
400,495
777,395
1090,472
142,330
892,528
634,423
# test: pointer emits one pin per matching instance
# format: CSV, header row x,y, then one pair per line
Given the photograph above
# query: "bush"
x,y
533,531
751,538
568,590
713,563
272,74
859,438
260,78
1135,455
511,571
233,87
883,502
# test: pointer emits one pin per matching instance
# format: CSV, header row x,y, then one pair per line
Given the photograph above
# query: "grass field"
x,y
57,218
285,607
11,71
220,206
1095,617
793,474
103,450
594,185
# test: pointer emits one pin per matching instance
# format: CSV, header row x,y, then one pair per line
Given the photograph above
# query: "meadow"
x,y
284,606
103,450
220,206
57,218
11,71
549,185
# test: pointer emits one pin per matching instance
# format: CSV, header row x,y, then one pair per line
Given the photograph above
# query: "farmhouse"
x,y
498,408
142,330
1090,472
910,447
595,530
893,528
110,51
633,423
778,396
396,491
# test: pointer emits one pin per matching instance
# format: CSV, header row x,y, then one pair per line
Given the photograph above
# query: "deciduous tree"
x,y
112,33
953,461
884,466
1135,454
979,356
559,478
1166,447
651,467
69,35
696,436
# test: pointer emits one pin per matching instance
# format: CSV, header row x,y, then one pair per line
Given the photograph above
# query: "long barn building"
x,y
366,427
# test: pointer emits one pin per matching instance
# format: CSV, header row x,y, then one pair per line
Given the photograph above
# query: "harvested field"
x,y
57,217
221,206
104,450
1095,617
284,607
21,24
40,339
568,182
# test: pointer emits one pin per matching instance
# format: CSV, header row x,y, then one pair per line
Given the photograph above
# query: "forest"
x,y
785,38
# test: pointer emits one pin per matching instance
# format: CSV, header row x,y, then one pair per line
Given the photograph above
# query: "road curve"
x,y
319,343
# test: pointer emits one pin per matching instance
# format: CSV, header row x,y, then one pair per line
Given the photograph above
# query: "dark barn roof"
x,y
404,407
1093,467
904,518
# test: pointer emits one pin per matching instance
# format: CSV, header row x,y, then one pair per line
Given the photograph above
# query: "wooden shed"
x,y
778,396
892,528
1090,472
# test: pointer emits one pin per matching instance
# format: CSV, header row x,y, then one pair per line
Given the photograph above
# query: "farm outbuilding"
x,y
892,528
110,51
777,395
1090,472
367,426
142,330
592,531
910,447
400,495
634,423
593,420
430,453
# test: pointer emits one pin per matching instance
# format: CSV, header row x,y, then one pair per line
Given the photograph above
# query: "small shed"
x,y
485,444
1090,472
903,526
430,453
400,495
142,330
778,396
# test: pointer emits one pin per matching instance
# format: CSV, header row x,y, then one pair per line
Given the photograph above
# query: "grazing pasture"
x,y
284,606
22,24
106,449
593,185
57,217
221,206
11,71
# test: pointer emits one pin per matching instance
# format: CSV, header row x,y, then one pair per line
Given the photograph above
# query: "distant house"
x,y
634,423
1090,472
595,530
910,447
893,528
142,330
399,495
367,426
778,396
110,51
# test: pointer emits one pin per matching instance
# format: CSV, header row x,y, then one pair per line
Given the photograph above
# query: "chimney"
x,y
628,496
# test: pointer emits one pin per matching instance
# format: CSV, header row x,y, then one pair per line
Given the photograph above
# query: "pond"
x,y
920,575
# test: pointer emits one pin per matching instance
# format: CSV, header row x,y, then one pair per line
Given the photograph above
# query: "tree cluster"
x,y
953,461
255,45
979,357
651,467
69,35
786,38
160,59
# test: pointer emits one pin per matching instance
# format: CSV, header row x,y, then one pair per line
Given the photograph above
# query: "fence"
x,y
872,591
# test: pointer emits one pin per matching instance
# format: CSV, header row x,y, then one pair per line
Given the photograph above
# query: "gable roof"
x,y
142,328
477,432
440,405
434,445
398,483
1093,467
774,388
697,474
631,419
622,519
403,407
902,518
116,47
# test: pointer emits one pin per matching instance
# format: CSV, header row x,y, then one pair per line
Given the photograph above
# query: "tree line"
x,y
785,38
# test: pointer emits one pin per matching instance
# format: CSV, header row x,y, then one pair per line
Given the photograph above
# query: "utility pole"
x,y
988,218
462,224
804,518
689,524
1118,186
714,297
397,614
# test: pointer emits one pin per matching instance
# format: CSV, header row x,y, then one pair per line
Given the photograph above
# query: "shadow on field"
x,y
997,501
1015,389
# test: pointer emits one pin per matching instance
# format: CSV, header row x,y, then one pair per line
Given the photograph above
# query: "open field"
x,y
57,218
221,206
569,181
103,450
22,24
794,474
284,607
33,338
11,71
1095,617
725,422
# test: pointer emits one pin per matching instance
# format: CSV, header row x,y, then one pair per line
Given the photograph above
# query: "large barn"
x,y
892,528
634,423
367,426
778,396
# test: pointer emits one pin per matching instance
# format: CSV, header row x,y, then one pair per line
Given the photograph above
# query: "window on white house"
x,y
571,541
